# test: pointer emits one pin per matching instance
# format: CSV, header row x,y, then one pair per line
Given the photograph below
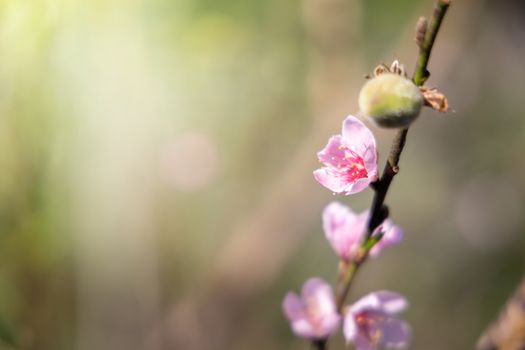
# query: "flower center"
x,y
313,311
353,167
368,325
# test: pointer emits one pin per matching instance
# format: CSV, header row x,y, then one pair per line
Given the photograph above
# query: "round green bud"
x,y
391,100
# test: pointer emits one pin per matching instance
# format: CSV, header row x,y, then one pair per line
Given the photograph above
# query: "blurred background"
x,y
156,159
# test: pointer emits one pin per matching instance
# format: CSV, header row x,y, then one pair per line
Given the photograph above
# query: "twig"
x,y
508,331
379,212
319,344
421,73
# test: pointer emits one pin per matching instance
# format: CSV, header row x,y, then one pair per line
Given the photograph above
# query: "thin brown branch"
x,y
379,211
508,331
421,73
420,76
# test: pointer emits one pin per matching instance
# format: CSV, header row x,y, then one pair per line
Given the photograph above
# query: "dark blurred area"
x,y
156,157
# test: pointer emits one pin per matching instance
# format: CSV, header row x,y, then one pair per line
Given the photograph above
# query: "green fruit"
x,y
391,100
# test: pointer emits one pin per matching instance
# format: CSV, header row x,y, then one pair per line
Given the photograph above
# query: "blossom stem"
x,y
344,283
421,73
379,211
319,344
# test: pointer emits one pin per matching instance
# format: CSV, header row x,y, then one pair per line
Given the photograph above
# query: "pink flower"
x,y
371,322
345,231
350,159
313,315
392,235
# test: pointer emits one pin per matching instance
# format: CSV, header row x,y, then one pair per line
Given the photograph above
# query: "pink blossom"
x,y
371,322
313,315
345,231
392,235
350,159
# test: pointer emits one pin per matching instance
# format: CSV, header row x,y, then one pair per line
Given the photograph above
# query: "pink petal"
x,y
391,302
361,342
335,181
292,306
320,292
357,186
343,228
336,217
392,235
349,327
396,333
370,160
382,301
303,328
357,136
382,330
331,180
329,324
332,154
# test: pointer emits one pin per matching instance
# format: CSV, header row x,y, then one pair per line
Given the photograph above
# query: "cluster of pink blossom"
x,y
350,166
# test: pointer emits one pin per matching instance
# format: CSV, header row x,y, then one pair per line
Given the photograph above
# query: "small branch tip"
x,y
421,31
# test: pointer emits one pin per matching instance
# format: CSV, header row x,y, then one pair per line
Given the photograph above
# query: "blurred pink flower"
x,y
370,322
345,230
350,159
313,315
392,235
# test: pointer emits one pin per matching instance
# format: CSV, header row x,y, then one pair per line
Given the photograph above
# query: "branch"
x,y
379,211
421,73
508,331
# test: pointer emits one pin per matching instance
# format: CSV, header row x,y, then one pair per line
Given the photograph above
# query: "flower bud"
x,y
391,100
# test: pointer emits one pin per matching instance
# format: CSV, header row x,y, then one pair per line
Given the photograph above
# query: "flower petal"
x,y
292,306
350,328
392,235
370,160
357,136
391,302
383,301
329,324
338,225
361,342
343,228
333,154
316,290
357,186
302,327
330,179
396,333
336,217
